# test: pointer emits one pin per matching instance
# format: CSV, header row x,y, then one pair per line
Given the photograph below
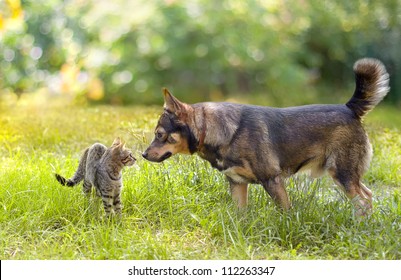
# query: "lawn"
x,y
179,209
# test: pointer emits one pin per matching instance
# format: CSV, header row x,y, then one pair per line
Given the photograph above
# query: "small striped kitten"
x,y
101,167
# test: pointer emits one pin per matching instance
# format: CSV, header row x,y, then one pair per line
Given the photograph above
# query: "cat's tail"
x,y
79,174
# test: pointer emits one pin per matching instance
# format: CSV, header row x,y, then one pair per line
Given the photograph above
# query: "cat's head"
x,y
121,153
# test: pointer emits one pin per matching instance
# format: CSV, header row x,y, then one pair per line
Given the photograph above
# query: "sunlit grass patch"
x,y
181,208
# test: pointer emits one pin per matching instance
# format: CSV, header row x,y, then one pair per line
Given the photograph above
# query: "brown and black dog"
x,y
264,145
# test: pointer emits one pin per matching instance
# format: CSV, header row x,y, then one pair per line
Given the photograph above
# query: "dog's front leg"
x,y
275,188
239,193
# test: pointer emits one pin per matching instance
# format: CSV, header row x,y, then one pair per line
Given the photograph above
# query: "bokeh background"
x,y
279,52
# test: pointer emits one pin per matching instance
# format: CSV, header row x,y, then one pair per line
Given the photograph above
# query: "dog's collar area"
x,y
203,132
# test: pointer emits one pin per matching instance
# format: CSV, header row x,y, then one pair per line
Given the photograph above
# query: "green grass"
x,y
180,209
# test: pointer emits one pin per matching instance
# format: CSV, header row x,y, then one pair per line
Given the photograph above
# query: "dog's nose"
x,y
145,154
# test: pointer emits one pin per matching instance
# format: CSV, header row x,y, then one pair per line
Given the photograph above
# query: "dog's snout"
x,y
145,155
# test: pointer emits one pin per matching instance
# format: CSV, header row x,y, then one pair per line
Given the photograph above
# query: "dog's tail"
x,y
79,174
372,85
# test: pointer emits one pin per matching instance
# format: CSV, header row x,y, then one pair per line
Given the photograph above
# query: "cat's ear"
x,y
172,104
122,145
116,142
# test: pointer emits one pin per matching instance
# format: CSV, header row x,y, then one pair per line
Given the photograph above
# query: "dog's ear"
x,y
172,104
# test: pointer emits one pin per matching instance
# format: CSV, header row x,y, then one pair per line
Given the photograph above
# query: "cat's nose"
x,y
145,155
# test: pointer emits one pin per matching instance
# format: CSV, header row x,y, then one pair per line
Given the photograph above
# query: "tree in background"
x,y
124,51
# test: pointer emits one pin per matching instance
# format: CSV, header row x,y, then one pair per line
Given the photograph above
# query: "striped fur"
x,y
101,167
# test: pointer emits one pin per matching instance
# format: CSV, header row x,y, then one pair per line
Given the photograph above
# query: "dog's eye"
x,y
159,135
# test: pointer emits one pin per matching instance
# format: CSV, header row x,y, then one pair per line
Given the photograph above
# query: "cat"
x,y
101,167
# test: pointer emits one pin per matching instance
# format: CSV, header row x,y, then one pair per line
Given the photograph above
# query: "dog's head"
x,y
172,133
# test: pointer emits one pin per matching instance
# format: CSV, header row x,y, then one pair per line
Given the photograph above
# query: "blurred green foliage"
x,y
125,51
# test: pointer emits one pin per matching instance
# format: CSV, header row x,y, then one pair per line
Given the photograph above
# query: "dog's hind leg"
x,y
239,193
366,191
275,188
359,198
356,191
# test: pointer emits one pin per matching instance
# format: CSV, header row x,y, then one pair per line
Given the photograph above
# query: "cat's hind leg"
x,y
87,187
117,203
107,203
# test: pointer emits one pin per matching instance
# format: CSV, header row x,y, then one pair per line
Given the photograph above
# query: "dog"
x,y
265,145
